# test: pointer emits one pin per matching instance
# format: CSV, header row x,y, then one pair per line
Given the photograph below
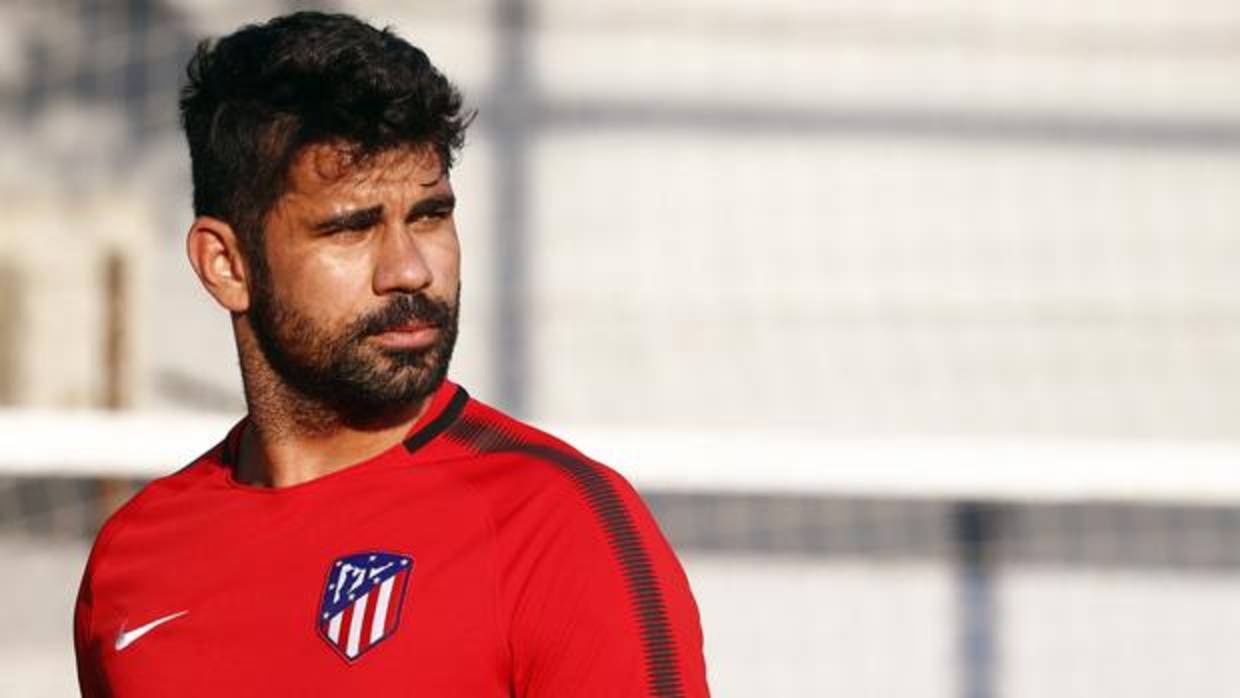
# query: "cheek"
x,y
328,290
444,259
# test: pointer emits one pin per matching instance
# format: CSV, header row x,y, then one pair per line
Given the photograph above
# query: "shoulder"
x,y
156,494
509,457
546,498
596,599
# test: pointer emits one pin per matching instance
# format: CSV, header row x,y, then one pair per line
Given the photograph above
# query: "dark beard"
x,y
359,382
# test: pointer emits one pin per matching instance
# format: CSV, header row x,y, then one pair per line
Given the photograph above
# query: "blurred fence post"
x,y
10,329
113,491
513,110
976,531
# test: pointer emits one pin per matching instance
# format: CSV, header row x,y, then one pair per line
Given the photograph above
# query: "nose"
x,y
401,266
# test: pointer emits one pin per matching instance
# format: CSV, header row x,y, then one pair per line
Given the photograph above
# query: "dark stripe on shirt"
x,y
658,645
229,449
434,427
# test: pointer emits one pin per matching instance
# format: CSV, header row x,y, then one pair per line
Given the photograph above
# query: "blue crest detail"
x,y
362,600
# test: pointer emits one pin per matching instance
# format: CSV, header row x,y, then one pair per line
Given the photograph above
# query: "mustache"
x,y
404,310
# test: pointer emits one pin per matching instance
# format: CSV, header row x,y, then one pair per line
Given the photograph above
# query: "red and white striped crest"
x,y
362,601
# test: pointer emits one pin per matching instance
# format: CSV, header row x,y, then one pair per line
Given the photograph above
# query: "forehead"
x,y
337,169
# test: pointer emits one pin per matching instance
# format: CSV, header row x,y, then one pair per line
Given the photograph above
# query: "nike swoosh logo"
x,y
125,639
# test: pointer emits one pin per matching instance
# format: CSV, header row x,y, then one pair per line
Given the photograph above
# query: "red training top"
x,y
480,557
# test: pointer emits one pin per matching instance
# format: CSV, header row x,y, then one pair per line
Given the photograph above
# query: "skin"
x,y
342,242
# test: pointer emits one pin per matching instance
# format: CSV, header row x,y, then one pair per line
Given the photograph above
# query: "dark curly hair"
x,y
257,97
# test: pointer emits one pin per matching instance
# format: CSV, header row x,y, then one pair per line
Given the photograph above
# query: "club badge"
x,y
362,601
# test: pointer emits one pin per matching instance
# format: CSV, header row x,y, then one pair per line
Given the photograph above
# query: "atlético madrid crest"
x,y
362,601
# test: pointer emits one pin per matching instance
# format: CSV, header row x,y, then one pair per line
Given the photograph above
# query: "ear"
x,y
215,253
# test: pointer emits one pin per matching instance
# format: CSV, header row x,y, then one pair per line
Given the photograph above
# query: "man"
x,y
368,528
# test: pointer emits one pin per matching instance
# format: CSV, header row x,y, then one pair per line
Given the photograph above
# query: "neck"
x,y
291,438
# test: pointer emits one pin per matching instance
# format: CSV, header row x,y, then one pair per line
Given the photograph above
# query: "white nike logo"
x,y
125,639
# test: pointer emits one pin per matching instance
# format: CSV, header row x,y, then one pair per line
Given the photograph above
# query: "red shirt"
x,y
480,557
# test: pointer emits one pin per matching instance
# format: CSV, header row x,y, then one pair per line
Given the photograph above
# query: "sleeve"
x,y
602,606
88,670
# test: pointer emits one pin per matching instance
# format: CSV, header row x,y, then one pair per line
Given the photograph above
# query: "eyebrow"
x,y
363,218
359,219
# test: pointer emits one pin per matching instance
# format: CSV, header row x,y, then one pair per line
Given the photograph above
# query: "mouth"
x,y
412,335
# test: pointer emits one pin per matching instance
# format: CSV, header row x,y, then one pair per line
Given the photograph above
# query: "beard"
x,y
357,380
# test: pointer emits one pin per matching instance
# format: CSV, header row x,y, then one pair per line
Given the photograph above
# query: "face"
x,y
357,308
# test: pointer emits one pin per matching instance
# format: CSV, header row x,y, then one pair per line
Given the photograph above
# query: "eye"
x,y
341,230
432,217
345,234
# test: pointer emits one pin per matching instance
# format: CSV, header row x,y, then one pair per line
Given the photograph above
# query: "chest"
x,y
394,594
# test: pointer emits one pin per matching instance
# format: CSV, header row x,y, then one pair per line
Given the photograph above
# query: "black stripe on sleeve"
x,y
658,643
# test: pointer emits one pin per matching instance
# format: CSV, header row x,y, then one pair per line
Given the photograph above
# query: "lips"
x,y
409,335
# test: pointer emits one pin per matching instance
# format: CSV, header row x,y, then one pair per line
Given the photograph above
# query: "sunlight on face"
x,y
359,308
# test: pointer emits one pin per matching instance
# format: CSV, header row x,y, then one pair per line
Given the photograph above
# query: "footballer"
x,y
368,528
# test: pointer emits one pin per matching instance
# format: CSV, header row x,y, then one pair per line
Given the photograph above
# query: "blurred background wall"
x,y
933,221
